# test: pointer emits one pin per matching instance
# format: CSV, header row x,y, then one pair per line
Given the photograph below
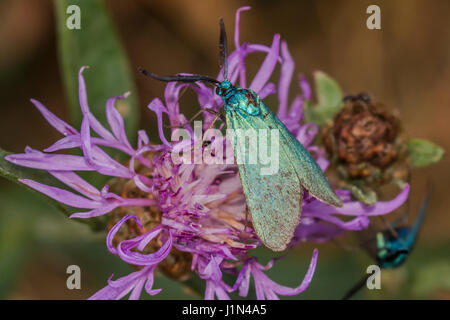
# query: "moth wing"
x,y
414,231
274,201
309,173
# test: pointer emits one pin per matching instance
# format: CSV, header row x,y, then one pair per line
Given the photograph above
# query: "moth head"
x,y
223,87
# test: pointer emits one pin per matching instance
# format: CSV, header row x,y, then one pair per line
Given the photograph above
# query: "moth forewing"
x,y
273,200
308,171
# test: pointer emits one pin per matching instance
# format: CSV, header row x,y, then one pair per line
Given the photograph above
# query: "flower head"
x,y
184,217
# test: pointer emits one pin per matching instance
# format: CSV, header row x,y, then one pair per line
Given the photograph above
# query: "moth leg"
x,y
405,215
206,143
389,227
366,195
214,121
214,112
219,114
358,286
246,220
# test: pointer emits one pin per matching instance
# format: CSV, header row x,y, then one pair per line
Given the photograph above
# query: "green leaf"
x,y
15,243
423,152
327,89
429,280
329,99
95,45
13,173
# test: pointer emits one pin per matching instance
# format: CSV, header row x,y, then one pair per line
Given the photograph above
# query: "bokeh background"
x,y
406,65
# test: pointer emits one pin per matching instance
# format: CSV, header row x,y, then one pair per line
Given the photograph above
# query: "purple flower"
x,y
266,288
133,282
188,210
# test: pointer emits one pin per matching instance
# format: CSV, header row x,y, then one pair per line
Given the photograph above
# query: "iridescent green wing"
x,y
308,171
273,201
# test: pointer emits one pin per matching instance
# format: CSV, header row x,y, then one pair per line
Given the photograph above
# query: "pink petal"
x,y
77,183
267,67
56,122
287,69
58,162
157,106
115,120
62,195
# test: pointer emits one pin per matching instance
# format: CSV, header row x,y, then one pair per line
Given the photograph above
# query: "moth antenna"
x,y
193,78
223,49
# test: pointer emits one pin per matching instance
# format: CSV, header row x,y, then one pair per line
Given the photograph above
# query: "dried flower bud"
x,y
364,140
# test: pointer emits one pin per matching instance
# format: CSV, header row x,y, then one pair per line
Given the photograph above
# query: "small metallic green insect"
x,y
273,201
393,245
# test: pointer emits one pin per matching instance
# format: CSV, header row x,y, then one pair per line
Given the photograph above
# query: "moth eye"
x,y
218,91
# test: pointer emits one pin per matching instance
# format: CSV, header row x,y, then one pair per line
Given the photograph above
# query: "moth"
x,y
274,201
392,246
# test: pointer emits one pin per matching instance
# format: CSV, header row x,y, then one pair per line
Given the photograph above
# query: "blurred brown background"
x,y
406,64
